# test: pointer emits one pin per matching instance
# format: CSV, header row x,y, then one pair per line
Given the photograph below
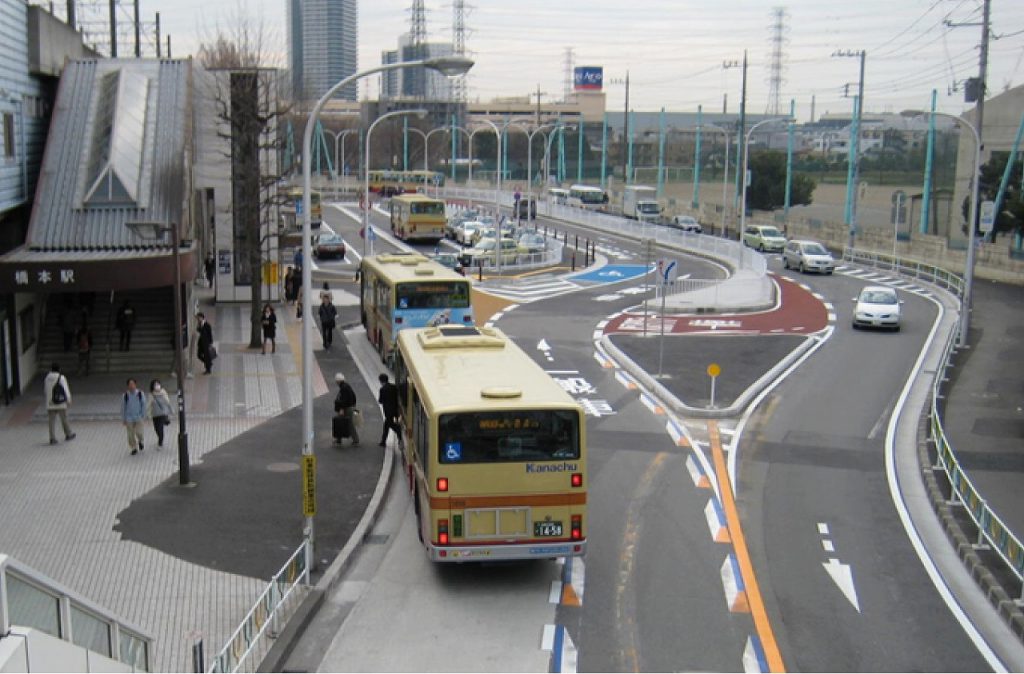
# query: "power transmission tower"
x,y
775,63
570,59
459,32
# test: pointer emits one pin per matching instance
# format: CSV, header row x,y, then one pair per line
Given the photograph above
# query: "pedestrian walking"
x,y
345,410
57,394
328,316
325,292
269,323
210,267
291,285
133,416
125,323
204,343
298,309
84,340
388,399
159,410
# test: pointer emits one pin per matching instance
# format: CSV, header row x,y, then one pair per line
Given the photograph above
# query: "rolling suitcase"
x,y
341,427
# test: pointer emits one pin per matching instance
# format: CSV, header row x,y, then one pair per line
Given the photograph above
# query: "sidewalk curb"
x,y
307,610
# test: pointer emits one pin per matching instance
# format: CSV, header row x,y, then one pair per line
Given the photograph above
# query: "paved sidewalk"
x,y
185,562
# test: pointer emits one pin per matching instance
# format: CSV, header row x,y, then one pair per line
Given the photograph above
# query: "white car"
x,y
464,232
877,307
765,238
687,223
808,256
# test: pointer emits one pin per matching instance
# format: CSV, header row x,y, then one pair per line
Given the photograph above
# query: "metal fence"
x,y
992,531
253,638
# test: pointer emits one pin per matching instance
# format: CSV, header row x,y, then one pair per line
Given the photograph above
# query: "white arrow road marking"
x,y
843,577
543,345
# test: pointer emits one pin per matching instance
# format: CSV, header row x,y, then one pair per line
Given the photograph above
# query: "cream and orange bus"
x,y
408,290
417,216
495,450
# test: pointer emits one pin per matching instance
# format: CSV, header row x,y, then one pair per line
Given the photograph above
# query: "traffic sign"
x,y
308,485
714,370
988,216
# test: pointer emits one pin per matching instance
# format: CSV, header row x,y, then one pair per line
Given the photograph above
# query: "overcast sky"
x,y
674,49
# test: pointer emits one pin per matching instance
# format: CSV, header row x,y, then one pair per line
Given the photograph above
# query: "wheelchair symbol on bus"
x,y
453,451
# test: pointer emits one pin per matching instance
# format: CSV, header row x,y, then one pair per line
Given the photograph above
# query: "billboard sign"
x,y
588,78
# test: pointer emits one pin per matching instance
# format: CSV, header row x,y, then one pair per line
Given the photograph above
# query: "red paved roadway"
x,y
798,313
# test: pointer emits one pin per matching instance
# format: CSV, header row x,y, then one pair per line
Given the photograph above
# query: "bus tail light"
x,y
442,532
398,320
576,532
442,484
466,318
577,479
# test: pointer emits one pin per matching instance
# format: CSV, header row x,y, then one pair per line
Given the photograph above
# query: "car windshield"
x,y
815,249
330,239
771,232
878,297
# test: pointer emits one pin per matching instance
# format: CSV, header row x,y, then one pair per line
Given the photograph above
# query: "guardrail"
x,y
250,642
30,599
992,531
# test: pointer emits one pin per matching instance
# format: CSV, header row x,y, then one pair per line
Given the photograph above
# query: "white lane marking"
x,y
754,661
828,545
823,528
843,577
555,593
547,638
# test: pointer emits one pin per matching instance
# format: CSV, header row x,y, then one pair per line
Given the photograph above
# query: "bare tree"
x,y
247,97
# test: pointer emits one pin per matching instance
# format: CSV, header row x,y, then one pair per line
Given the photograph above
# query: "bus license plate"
x,y
541,529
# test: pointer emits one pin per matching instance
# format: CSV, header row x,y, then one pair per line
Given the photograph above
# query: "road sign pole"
x,y
713,371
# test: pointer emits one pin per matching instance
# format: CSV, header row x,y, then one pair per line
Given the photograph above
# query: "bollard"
x,y
198,660
480,270
573,261
576,241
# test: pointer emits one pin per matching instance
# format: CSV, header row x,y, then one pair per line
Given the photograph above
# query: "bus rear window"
x,y
427,208
508,436
433,295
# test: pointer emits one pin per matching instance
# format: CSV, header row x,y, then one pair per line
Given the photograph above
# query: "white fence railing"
x,y
251,640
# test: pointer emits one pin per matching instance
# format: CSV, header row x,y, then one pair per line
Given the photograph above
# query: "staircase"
x,y
151,347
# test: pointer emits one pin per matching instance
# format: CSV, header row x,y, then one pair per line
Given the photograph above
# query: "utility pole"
x,y
536,119
854,147
625,133
113,29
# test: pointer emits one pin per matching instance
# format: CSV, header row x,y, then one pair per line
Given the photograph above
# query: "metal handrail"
x,y
992,531
264,612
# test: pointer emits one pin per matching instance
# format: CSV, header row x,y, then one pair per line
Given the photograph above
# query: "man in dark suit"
x,y
205,342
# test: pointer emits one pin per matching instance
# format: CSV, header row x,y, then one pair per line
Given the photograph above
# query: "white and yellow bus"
x,y
417,216
408,290
495,450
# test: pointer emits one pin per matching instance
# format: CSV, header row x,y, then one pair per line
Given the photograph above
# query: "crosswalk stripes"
x,y
882,279
531,290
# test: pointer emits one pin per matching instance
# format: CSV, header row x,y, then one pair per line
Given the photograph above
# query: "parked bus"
x,y
417,216
495,450
390,183
588,197
315,209
408,290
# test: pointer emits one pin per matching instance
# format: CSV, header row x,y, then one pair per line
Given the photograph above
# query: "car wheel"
x,y
785,262
760,247
801,268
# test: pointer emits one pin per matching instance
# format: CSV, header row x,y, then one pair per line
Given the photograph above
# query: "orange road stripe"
x,y
538,500
569,596
757,609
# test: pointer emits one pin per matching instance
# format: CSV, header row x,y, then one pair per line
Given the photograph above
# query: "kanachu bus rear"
x,y
495,450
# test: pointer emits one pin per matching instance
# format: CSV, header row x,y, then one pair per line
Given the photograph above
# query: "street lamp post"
x,y
529,160
426,147
746,161
448,65
367,227
156,230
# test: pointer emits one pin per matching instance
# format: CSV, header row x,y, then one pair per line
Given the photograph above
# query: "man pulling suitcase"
x,y
343,425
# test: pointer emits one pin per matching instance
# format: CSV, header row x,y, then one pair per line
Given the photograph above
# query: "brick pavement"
x,y
61,502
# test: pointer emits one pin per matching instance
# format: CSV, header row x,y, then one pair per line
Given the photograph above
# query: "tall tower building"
x,y
322,46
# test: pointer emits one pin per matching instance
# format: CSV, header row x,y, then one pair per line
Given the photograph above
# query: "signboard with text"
x,y
588,78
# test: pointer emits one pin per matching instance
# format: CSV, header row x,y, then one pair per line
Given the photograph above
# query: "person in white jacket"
x,y
57,405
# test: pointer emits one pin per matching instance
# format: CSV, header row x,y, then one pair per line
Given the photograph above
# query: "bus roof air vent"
x,y
424,271
501,392
452,336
